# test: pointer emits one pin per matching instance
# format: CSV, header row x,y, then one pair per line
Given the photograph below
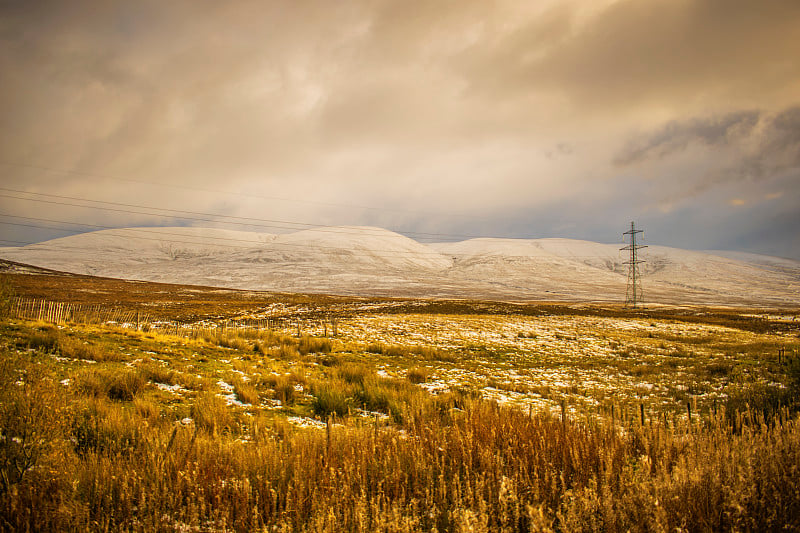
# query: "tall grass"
x,y
101,456
267,342
7,295
211,414
121,385
245,391
483,469
49,339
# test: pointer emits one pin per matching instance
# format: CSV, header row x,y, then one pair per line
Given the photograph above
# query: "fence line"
x,y
62,312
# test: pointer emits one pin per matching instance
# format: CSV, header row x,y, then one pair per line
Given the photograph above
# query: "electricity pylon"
x,y
633,294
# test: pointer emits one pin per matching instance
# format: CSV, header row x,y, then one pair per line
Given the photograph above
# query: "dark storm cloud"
x,y
677,136
753,145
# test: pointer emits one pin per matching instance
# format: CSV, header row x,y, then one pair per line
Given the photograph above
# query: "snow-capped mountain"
x,y
372,261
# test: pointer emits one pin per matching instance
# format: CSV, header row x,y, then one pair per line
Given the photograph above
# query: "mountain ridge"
x,y
371,261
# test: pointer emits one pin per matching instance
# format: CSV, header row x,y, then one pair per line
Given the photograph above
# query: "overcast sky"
x,y
465,117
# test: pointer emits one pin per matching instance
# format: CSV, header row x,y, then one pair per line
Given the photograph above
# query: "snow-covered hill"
x,y
376,262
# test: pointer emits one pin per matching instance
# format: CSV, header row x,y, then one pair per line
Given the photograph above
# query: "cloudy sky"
x,y
454,118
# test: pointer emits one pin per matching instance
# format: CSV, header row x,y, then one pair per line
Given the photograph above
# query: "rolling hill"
x,y
369,261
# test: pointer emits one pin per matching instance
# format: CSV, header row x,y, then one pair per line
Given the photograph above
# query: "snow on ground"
x,y
536,363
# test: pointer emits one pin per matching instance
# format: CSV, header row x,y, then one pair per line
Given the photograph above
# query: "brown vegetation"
x,y
89,442
455,464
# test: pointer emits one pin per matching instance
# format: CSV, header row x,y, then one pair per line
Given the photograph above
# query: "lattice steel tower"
x,y
633,295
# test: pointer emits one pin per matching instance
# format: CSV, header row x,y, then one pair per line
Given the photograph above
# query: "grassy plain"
x,y
416,416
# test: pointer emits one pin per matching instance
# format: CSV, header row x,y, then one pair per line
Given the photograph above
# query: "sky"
x,y
440,119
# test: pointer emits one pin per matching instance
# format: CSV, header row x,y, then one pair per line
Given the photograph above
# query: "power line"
x,y
361,251
373,252
633,292
232,193
100,227
193,215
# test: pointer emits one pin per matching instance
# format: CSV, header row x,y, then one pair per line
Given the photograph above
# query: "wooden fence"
x,y
60,312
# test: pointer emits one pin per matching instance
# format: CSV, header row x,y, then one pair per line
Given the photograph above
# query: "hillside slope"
x,y
372,261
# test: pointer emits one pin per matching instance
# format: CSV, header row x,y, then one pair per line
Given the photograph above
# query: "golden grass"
x,y
106,453
418,375
245,392
211,414
482,468
121,385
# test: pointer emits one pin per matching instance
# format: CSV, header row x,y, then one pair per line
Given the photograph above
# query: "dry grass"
x,y
121,385
158,373
211,414
418,375
107,452
479,468
331,398
245,392
283,387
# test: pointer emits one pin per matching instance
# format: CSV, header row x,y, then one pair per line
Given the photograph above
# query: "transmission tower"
x,y
633,294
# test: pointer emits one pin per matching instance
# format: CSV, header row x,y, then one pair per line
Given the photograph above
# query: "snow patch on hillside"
x,y
370,261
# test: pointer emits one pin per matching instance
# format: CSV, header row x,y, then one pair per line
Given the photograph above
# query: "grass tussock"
x,y
210,413
268,343
418,375
286,388
48,339
158,373
307,345
147,409
77,349
245,392
357,386
121,385
332,398
44,341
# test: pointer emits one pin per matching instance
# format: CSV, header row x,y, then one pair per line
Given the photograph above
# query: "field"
x,y
240,411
